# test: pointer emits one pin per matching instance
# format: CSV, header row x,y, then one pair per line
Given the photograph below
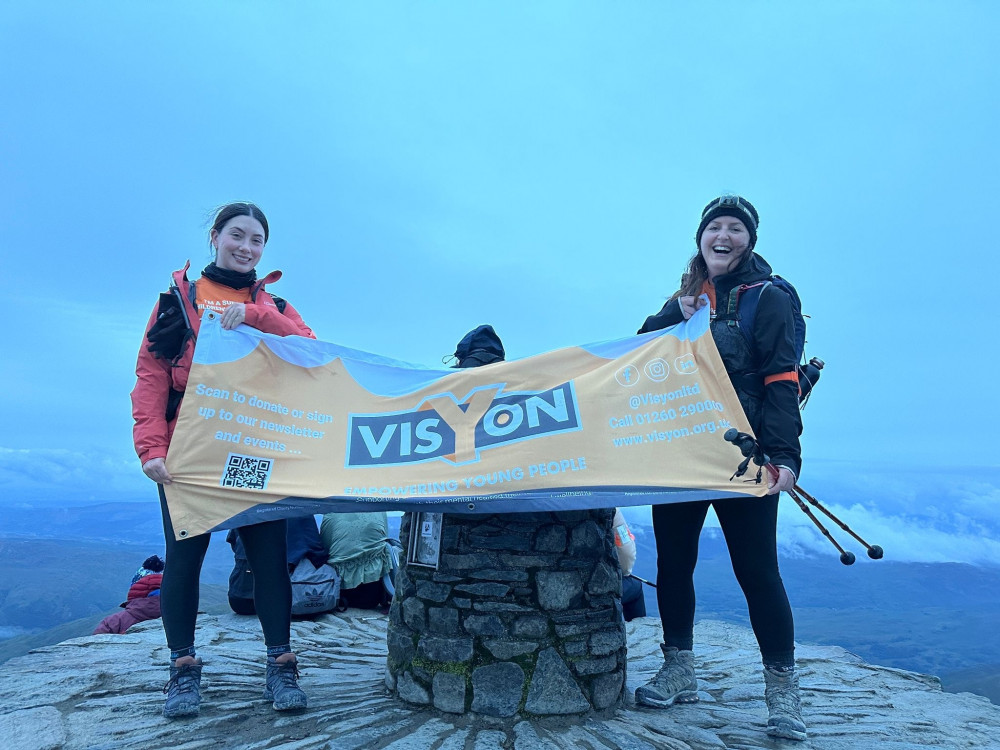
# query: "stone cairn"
x,y
522,618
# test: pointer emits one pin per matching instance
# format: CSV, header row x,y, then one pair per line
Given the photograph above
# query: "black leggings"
x,y
272,591
750,527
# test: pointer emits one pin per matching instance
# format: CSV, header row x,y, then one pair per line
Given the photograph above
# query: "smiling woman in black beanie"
x,y
765,378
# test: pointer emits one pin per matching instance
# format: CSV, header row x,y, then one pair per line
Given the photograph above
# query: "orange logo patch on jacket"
x,y
212,296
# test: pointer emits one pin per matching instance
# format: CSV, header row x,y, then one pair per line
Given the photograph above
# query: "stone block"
x,y
501,607
575,648
400,645
461,602
508,649
525,562
570,616
446,578
551,539
599,665
605,580
435,592
610,614
530,627
500,542
483,625
411,691
586,541
443,620
497,688
569,563
484,589
580,628
493,574
414,614
607,641
467,561
441,648
557,589
603,602
405,586
449,535
553,689
449,692
606,690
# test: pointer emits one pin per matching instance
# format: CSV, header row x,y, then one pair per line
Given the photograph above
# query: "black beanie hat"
x,y
480,346
730,205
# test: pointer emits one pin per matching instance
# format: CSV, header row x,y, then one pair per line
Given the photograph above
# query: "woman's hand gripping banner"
x,y
274,427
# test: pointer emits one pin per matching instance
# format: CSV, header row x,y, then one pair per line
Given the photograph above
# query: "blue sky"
x,y
430,167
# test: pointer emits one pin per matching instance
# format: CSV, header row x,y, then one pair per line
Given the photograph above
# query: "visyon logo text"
x,y
443,428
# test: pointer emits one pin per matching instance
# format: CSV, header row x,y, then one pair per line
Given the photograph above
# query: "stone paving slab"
x,y
104,693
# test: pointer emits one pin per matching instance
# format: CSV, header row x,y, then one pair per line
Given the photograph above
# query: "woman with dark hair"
x,y
765,378
229,286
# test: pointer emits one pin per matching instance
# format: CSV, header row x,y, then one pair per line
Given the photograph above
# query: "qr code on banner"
x,y
246,472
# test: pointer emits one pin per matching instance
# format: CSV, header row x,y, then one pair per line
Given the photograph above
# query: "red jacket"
x,y
143,587
155,377
139,606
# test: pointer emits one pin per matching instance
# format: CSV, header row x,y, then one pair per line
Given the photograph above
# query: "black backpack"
x,y
742,313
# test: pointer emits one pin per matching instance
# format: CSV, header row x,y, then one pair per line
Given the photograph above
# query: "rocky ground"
x,y
105,692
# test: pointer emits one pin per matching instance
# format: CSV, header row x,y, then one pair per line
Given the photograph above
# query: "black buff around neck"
x,y
232,279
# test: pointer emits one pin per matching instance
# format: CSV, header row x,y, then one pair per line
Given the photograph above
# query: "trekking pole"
x,y
874,551
641,580
847,558
750,448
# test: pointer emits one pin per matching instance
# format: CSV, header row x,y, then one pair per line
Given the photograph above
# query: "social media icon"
x,y
627,376
685,364
657,370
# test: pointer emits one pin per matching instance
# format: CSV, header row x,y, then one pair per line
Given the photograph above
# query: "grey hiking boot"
x,y
674,683
784,709
282,685
183,691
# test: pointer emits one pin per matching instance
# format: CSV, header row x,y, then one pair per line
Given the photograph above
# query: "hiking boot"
x,y
784,709
282,685
674,683
183,691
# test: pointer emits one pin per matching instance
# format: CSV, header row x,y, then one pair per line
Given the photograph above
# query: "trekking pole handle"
x,y
748,446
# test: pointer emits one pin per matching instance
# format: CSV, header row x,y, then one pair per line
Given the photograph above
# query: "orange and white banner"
x,y
274,427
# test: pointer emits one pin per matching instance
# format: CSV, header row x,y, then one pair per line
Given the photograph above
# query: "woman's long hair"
x,y
696,274
693,278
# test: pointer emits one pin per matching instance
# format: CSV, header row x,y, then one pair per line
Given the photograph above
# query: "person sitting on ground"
x,y
142,602
358,548
302,540
633,597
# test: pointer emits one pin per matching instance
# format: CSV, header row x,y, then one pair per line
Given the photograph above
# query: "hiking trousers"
x,y
750,527
265,547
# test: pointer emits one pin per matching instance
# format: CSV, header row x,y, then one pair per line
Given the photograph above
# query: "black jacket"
x,y
773,410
